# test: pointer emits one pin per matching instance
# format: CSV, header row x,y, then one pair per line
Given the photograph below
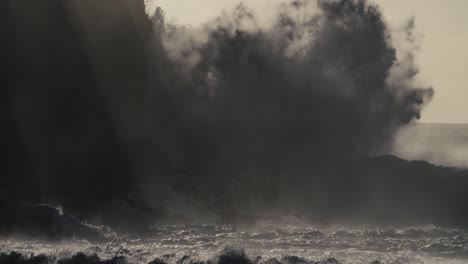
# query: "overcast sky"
x,y
441,24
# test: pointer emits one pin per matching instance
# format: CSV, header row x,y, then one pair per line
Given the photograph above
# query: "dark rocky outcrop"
x,y
66,66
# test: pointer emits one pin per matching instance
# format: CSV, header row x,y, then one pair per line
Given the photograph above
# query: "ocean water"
x,y
285,240
441,144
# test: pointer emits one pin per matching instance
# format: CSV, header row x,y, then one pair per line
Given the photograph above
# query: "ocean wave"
x,y
228,255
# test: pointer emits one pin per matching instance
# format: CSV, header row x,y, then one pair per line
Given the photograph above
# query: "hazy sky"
x,y
441,24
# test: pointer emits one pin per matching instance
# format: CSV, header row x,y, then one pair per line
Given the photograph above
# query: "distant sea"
x,y
440,144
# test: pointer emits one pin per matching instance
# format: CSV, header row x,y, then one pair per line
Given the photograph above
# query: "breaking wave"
x,y
284,241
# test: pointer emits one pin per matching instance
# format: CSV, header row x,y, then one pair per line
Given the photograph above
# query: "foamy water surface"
x,y
291,241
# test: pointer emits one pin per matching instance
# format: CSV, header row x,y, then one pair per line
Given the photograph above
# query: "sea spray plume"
x,y
234,105
354,72
256,103
403,72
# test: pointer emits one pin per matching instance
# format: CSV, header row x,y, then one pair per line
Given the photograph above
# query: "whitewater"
x,y
284,240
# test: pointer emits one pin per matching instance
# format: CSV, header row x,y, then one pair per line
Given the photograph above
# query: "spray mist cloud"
x,y
233,101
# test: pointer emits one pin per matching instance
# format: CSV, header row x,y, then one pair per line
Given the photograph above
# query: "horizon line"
x,y
439,123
